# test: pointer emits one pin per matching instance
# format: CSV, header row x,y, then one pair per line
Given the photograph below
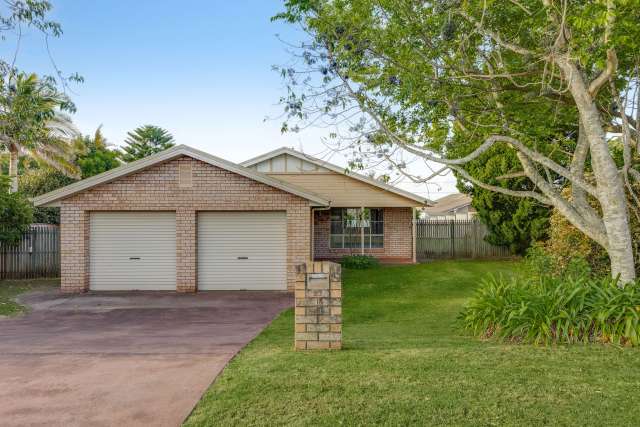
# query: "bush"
x,y
565,241
35,182
556,309
359,262
16,214
540,262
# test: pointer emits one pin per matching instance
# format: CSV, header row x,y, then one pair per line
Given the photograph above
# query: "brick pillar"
x,y
318,306
74,249
186,246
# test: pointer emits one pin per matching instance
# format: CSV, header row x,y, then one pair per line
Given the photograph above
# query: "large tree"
x,y
32,123
403,78
145,141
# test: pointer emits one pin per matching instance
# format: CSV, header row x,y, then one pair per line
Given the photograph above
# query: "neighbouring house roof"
x,y
337,169
50,199
448,204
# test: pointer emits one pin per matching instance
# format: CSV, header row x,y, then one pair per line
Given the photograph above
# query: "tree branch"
x,y
595,230
495,36
578,162
612,58
489,142
515,193
512,175
605,75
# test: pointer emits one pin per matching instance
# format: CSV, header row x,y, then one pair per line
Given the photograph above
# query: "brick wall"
x,y
74,248
398,238
157,189
318,306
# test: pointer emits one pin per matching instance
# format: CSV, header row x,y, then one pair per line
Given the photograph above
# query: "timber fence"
x,y
455,239
36,256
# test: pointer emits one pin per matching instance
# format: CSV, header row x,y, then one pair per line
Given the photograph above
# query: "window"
x,y
348,225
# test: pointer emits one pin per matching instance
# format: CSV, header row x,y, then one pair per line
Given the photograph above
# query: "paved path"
x,y
122,359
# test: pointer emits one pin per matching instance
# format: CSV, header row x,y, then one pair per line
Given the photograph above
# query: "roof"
x,y
449,203
338,169
180,150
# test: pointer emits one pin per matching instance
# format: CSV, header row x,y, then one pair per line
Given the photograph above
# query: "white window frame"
x,y
358,222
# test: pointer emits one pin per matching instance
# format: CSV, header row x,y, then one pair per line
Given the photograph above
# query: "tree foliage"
x,y
32,124
145,141
40,180
535,87
94,155
16,214
32,119
14,14
512,222
566,243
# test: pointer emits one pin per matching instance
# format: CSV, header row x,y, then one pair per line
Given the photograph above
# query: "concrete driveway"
x,y
122,358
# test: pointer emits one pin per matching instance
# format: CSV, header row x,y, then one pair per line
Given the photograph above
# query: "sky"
x,y
202,69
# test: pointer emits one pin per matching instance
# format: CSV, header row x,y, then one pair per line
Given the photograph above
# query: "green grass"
x,y
10,289
405,362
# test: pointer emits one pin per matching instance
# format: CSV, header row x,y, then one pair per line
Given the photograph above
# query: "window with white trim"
x,y
353,228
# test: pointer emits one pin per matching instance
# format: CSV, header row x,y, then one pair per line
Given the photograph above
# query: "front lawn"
x,y
405,362
10,289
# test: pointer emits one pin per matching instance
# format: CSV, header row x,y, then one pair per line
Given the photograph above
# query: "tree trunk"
x,y
13,168
613,200
609,185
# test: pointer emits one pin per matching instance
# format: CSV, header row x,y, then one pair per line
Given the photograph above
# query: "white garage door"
x,y
242,250
132,251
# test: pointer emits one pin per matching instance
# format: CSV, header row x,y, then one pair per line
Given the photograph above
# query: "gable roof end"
x,y
180,150
449,203
337,169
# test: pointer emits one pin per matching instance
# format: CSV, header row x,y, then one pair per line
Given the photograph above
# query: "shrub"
x,y
565,241
359,262
555,309
16,214
35,182
540,262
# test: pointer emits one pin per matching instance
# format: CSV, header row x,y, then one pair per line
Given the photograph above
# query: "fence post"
x,y
32,260
475,239
452,231
3,261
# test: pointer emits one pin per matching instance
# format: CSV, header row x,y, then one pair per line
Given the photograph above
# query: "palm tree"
x,y
145,141
32,123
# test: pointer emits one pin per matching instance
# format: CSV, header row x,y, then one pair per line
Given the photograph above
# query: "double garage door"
x,y
235,250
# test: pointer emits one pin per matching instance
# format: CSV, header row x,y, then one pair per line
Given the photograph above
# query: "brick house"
x,y
185,220
452,207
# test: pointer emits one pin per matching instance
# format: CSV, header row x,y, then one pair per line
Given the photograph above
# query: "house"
x,y
185,220
451,207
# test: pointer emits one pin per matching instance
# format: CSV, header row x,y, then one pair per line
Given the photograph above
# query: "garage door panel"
x,y
259,238
133,251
